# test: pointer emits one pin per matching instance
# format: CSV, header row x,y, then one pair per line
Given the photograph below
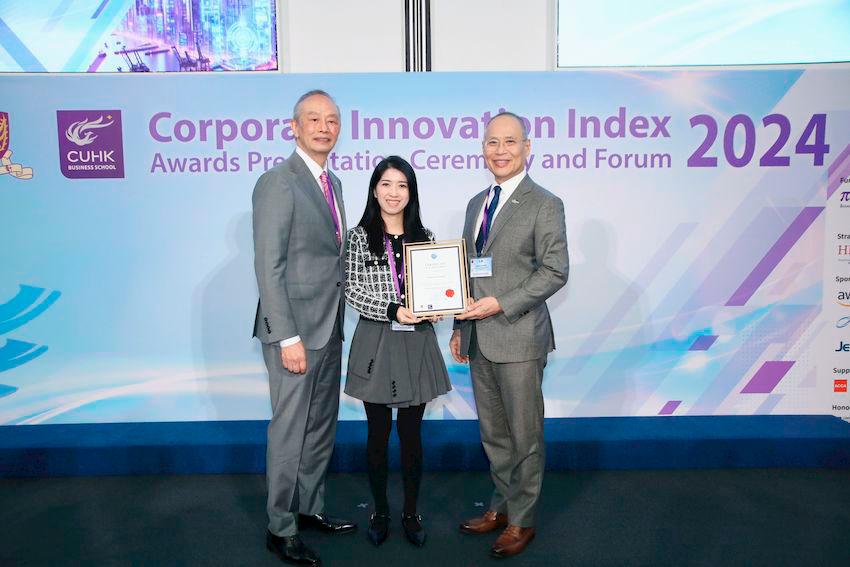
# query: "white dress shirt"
x,y
316,170
508,188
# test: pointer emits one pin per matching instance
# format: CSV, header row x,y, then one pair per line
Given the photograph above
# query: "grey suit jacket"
x,y
300,268
528,243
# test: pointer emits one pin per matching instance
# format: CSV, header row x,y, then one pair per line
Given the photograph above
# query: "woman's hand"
x,y
406,317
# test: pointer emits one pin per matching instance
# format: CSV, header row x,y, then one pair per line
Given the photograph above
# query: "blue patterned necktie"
x,y
487,221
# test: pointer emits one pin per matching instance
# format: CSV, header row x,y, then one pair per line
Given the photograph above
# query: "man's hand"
x,y
480,309
454,347
294,358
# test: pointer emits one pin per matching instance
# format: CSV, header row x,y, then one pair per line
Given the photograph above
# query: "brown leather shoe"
x,y
512,541
489,522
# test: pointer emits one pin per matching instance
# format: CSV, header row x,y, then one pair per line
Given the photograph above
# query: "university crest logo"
x,y
7,167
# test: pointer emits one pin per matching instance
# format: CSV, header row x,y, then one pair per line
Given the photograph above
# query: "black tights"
x,y
409,422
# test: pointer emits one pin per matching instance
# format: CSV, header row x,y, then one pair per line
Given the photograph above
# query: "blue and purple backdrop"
x,y
708,215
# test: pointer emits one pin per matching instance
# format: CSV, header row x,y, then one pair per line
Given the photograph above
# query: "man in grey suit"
x,y
299,223
519,233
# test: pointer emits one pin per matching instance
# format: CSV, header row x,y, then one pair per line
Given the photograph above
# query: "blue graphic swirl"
x,y
16,353
14,314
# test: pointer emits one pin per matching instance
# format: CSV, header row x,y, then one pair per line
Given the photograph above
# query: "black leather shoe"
x,y
290,549
379,528
325,523
412,524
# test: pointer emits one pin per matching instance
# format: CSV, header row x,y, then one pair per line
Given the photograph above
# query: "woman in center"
x,y
394,360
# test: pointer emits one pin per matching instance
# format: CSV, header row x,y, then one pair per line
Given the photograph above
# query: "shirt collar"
x,y
510,185
314,167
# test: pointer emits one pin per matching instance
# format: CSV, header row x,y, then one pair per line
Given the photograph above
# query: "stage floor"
x,y
714,518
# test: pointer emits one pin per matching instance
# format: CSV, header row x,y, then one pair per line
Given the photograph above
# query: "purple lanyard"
x,y
395,271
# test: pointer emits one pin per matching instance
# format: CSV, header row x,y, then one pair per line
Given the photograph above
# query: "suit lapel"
x,y
340,207
517,198
310,187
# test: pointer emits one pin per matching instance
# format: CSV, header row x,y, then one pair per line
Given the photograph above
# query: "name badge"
x,y
481,267
396,326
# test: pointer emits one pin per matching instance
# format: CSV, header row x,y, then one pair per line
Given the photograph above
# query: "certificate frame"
x,y
415,270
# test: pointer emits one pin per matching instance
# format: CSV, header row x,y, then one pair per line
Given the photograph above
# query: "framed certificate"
x,y
436,281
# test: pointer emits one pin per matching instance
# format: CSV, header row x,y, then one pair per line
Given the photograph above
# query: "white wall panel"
x,y
332,36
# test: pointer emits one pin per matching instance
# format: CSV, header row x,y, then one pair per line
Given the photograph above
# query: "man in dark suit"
x,y
299,223
520,242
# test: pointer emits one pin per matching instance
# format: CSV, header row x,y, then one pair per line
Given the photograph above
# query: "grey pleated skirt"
x,y
395,368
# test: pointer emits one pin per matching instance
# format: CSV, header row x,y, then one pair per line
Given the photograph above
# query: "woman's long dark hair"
x,y
372,221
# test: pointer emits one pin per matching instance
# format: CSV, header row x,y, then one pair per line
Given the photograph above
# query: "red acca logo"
x,y
840,386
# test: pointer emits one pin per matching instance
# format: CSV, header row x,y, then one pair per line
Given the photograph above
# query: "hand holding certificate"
x,y
436,279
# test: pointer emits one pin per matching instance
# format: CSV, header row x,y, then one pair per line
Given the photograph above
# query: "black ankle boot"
x,y
379,528
412,524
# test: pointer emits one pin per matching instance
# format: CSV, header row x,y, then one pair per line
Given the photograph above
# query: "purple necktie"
x,y
329,197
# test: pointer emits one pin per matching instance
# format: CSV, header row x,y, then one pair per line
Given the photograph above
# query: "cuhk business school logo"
x,y
91,144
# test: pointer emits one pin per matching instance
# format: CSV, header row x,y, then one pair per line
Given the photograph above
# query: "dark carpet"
x,y
722,518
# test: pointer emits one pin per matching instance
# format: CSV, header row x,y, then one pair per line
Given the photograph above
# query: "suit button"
x,y
338,284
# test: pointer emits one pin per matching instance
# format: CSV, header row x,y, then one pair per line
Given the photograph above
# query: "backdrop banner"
x,y
708,216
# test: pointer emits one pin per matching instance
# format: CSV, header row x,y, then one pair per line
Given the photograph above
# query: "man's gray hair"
x,y
297,109
516,117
